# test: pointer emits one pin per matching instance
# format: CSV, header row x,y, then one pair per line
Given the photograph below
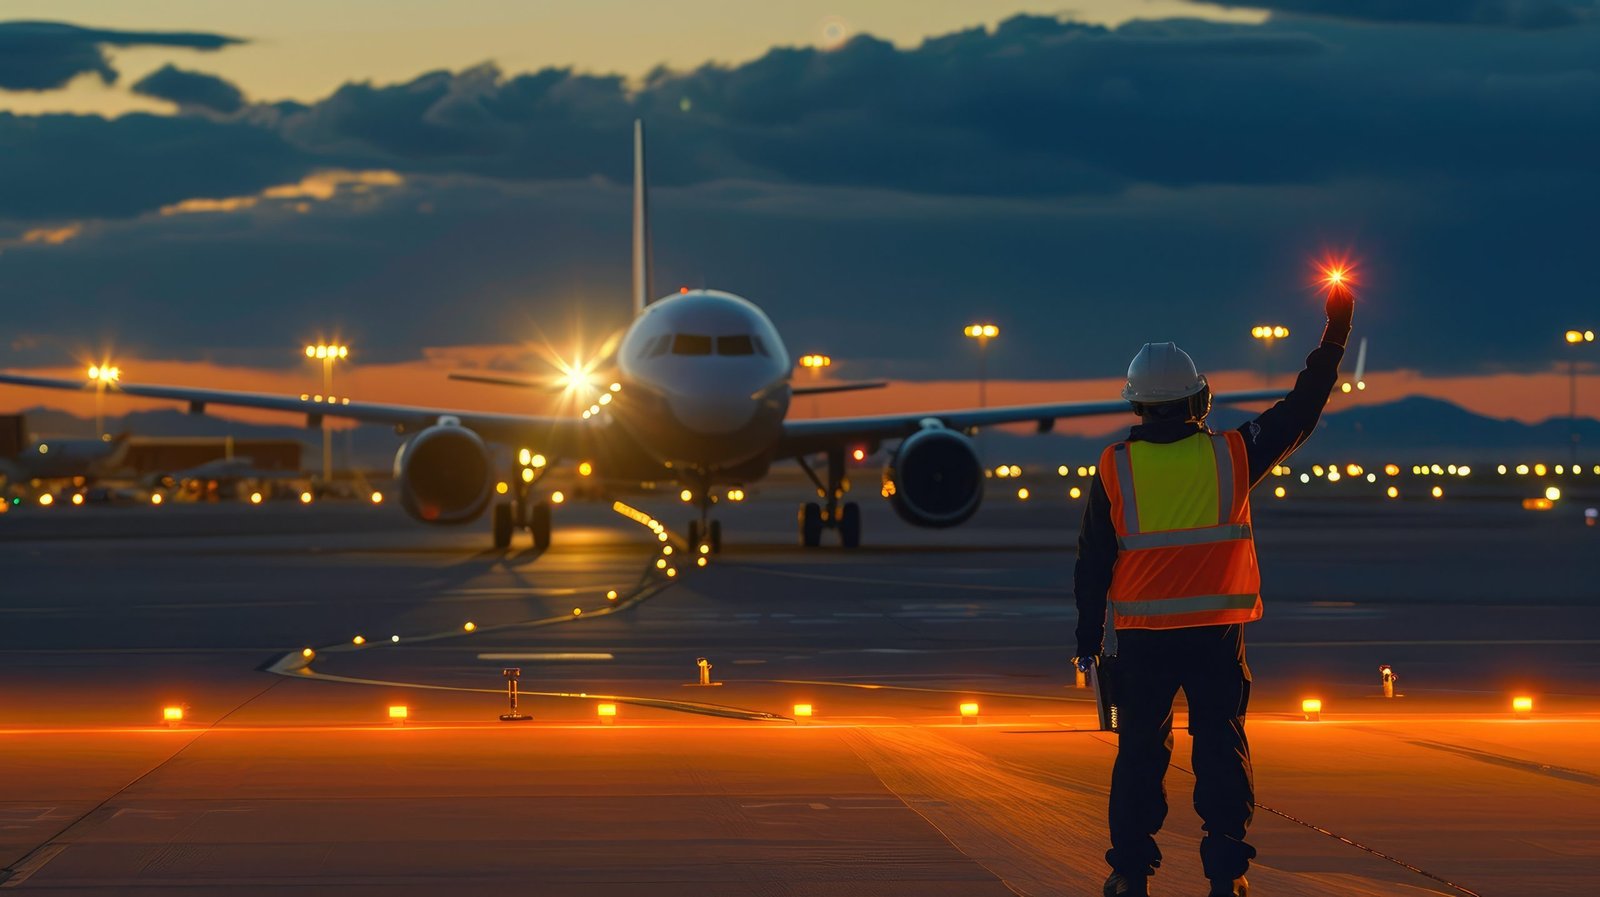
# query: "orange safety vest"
x,y
1186,556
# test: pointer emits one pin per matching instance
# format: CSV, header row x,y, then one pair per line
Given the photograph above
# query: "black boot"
x,y
1119,885
1223,888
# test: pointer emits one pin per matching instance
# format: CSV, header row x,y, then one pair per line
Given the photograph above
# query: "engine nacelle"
x,y
444,475
935,478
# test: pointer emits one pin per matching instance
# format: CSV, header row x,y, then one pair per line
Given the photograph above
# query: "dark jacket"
x,y
1268,440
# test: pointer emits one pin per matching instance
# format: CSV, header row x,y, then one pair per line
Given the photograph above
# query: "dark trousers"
x,y
1207,662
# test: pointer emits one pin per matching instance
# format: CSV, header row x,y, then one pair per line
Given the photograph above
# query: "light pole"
x,y
102,375
815,363
327,354
982,333
1268,334
1574,338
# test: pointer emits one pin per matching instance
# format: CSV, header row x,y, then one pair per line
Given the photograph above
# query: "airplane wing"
x,y
803,437
553,435
824,388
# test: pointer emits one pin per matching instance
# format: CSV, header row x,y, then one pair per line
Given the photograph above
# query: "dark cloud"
x,y
46,55
190,90
1162,179
1499,13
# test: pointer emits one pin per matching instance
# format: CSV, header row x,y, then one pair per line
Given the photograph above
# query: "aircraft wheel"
x,y
539,524
714,537
811,524
850,525
694,533
502,525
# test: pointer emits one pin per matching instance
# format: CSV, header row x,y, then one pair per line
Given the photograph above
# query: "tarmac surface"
x,y
287,773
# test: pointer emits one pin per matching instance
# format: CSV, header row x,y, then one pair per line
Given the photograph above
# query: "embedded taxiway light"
x,y
502,487
969,712
1540,470
699,562
585,469
577,611
1438,492
359,640
469,626
527,474
1392,492
666,549
1075,492
686,495
1312,708
705,549
156,498
377,498
671,572
255,498
1280,492
1553,493
305,498
1022,493
1522,705
661,563
395,639
557,497
77,498
308,653
662,535
399,713
172,716
802,711
606,712
611,595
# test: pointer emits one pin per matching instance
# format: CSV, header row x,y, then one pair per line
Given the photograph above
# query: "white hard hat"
x,y
1162,372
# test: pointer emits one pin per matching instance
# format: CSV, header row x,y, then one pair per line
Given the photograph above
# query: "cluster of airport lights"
x,y
604,400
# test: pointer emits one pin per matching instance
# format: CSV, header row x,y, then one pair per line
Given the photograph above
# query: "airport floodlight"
x,y
1312,709
469,626
1269,332
359,640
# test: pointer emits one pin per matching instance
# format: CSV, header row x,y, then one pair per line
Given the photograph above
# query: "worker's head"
x,y
1163,384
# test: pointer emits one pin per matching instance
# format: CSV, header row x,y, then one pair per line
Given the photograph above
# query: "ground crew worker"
x,y
1167,539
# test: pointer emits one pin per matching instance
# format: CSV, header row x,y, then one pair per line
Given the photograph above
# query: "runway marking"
x,y
30,864
547,655
874,686
866,580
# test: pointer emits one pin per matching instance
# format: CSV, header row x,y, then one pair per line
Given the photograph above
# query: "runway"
x,y
287,771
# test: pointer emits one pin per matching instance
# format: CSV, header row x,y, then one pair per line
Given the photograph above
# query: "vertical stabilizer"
x,y
643,287
1361,361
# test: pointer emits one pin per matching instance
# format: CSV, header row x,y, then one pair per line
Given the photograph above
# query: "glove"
x,y
1341,307
1084,663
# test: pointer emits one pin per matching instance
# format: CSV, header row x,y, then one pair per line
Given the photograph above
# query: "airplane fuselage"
x,y
705,383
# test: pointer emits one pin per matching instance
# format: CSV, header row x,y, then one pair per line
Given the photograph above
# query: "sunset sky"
x,y
198,188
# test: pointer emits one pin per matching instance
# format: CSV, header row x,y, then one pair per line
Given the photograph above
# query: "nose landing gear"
x,y
705,531
832,514
522,513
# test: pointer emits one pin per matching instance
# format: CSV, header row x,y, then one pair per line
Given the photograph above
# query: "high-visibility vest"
x,y
1186,555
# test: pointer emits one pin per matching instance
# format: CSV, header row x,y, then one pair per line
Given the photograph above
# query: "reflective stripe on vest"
x,y
1186,560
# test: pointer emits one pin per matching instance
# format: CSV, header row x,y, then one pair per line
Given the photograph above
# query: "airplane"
x,y
696,391
66,459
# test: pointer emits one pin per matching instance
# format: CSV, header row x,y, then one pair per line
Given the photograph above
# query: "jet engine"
x,y
935,478
443,474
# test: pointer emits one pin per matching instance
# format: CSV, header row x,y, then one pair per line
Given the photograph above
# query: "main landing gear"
x,y
831,514
522,513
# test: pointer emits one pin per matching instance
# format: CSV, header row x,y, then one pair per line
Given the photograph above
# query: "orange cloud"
x,y
319,186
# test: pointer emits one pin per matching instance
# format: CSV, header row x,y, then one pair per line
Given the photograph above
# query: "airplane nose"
x,y
725,413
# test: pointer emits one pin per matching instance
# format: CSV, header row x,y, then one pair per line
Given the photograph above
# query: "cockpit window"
x,y
691,344
658,346
735,345
761,348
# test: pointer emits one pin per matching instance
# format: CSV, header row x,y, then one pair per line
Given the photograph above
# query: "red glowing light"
x,y
1336,272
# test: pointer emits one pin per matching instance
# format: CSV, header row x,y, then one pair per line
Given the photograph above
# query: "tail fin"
x,y
643,287
1361,364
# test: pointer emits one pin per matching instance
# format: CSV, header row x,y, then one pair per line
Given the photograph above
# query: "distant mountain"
x,y
1411,428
